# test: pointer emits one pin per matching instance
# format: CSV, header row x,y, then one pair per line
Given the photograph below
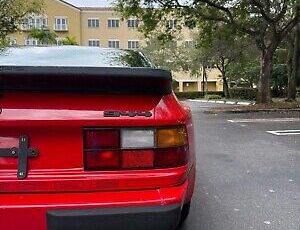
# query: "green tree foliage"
x,y
173,56
12,13
245,72
297,54
70,41
293,59
279,80
45,37
220,46
266,22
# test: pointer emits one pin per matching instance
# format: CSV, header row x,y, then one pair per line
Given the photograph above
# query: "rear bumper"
x,y
143,209
137,218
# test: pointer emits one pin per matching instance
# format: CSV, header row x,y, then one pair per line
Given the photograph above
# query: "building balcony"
x,y
60,28
31,27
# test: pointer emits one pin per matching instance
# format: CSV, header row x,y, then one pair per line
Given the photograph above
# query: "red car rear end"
x,y
91,139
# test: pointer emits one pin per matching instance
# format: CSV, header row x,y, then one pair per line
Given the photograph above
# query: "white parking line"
x,y
284,132
221,102
265,120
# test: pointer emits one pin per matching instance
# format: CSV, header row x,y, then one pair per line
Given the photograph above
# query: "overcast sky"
x,y
90,3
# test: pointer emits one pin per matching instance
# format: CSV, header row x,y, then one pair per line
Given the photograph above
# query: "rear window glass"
x,y
72,56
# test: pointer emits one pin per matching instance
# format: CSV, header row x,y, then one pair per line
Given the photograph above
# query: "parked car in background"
x,y
91,138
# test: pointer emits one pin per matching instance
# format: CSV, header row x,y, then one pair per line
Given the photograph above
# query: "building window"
x,y
113,23
35,22
94,42
172,24
61,24
133,23
114,44
31,42
93,23
133,44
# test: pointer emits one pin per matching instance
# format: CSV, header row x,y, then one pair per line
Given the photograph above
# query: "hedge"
x,y
236,93
193,95
243,93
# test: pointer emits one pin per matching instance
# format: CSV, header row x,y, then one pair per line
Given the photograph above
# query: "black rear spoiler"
x,y
106,80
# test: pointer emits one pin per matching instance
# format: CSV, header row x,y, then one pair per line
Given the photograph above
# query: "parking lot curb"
x,y
236,110
223,102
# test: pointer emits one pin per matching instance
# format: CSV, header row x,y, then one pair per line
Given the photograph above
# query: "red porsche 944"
x,y
91,139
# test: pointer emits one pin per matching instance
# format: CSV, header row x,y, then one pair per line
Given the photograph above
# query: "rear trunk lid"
x,y
44,111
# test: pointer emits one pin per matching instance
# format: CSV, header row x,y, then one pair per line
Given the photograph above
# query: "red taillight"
x,y
104,150
171,157
100,160
102,139
137,159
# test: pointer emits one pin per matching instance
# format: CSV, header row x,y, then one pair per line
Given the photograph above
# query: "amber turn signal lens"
x,y
171,137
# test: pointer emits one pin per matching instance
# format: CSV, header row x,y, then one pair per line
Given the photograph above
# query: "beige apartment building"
x,y
185,82
90,26
59,16
102,27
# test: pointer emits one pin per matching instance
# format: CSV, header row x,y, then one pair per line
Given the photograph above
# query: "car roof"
x,y
72,56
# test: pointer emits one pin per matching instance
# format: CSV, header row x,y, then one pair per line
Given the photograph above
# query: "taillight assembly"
x,y
130,148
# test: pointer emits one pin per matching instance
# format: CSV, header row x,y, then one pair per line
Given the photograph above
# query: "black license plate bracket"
x,y
22,152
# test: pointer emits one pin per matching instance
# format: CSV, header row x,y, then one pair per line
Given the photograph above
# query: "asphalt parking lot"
x,y
247,177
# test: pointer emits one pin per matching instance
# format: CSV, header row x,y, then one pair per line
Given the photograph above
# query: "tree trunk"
x,y
296,62
294,68
251,84
222,69
264,91
225,87
206,85
203,80
290,69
